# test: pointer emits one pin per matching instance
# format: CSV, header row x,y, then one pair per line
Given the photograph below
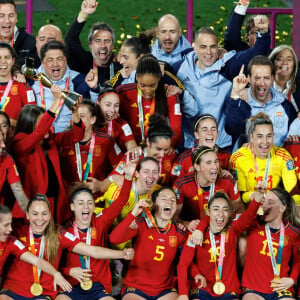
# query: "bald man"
x,y
170,46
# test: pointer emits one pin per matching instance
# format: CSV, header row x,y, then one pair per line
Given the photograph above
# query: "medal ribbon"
x,y
36,271
85,263
89,159
266,175
6,92
152,224
219,267
78,161
109,128
276,265
141,114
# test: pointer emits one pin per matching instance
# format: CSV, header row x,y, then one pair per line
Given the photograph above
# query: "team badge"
x,y
278,122
94,233
1,252
173,241
14,90
167,165
290,165
97,150
23,239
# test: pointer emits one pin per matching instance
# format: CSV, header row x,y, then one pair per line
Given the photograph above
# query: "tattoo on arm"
x,y
20,195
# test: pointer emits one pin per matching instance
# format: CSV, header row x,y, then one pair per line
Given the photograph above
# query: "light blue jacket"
x,y
183,47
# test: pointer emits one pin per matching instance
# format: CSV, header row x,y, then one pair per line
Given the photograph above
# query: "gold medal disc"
x,y
219,288
36,289
86,284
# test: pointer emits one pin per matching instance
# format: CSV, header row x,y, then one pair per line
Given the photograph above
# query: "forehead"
x,y
206,39
150,165
125,50
209,156
3,119
161,142
207,123
83,196
168,23
271,196
111,97
285,52
7,8
264,128
5,52
5,218
147,79
39,206
49,31
101,34
52,53
220,202
166,193
83,109
260,70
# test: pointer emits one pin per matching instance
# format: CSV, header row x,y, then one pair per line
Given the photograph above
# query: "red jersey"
x,y
258,261
8,173
104,158
99,227
204,259
19,95
19,276
10,246
130,112
187,194
183,163
294,149
152,267
121,134
165,167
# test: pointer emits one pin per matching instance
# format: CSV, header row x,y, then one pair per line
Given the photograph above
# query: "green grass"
x,y
129,17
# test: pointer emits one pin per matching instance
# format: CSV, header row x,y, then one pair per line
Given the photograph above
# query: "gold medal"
x,y
36,289
219,288
86,284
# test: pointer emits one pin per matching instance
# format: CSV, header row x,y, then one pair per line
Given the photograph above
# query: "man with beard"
x,y
260,97
170,46
101,43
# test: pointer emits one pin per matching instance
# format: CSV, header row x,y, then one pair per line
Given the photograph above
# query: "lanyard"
x,y
62,99
219,267
266,175
89,159
136,195
141,114
6,92
36,271
276,265
109,128
85,263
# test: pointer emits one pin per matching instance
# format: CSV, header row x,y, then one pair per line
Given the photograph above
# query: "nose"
x,y
122,60
9,228
168,35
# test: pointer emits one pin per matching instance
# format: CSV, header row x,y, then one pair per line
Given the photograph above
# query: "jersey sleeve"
x,y
126,134
16,247
67,239
175,119
12,172
289,176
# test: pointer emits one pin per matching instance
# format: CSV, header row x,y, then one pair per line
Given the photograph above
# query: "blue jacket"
x,y
183,47
76,84
280,111
207,90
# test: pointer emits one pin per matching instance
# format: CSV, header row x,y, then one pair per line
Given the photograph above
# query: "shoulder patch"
x,y
19,244
290,165
70,236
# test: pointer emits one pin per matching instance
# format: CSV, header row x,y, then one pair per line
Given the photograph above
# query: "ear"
x,y
93,120
147,142
197,168
196,134
136,174
27,215
180,31
156,31
72,206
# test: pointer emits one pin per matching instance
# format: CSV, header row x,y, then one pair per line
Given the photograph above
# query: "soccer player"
x,y
93,157
140,100
14,95
273,240
214,272
195,189
156,241
206,134
43,239
92,229
37,158
260,160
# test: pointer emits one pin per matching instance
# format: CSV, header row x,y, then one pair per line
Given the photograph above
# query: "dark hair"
x,y
107,89
53,45
260,60
144,160
12,2
8,137
51,234
258,119
13,53
205,30
204,117
95,111
27,119
156,193
158,128
78,187
4,210
148,64
5,115
139,45
198,152
224,196
290,214
100,26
